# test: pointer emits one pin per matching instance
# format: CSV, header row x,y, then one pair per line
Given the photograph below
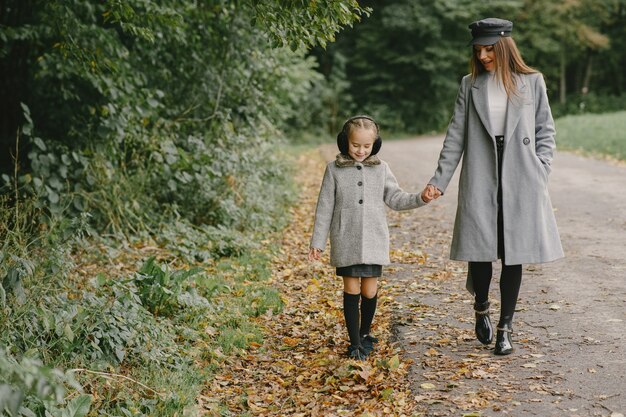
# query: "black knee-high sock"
x,y
368,309
481,278
510,282
351,314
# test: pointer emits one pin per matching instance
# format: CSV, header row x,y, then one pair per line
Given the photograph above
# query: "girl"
x,y
350,207
502,126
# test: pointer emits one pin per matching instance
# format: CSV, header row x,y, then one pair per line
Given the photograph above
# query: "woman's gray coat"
x,y
351,207
530,231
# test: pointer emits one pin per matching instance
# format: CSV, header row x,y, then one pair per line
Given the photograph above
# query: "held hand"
x,y
315,254
430,193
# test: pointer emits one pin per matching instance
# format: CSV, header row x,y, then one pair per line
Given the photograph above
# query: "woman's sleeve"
x,y
545,132
324,211
454,143
396,198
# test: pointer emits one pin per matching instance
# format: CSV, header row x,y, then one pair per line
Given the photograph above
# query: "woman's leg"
x,y
351,296
481,280
510,282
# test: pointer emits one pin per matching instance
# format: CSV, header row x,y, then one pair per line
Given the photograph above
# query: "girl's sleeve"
x,y
454,143
396,198
324,211
545,133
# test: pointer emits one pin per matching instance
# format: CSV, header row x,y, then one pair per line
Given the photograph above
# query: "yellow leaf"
x,y
427,385
431,352
394,363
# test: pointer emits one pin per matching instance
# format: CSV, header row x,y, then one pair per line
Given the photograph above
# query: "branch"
x,y
111,376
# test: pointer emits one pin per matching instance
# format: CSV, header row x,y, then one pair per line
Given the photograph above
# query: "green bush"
x,y
589,103
163,292
28,388
595,134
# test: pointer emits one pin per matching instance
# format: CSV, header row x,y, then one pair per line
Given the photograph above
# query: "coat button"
x,y
526,141
360,201
359,183
359,167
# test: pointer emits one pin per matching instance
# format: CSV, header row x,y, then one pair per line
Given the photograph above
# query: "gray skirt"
x,y
360,270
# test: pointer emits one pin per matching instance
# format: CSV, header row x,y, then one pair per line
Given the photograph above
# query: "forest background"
x,y
134,124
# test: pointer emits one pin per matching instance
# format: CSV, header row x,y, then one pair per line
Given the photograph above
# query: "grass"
x,y
602,135
237,287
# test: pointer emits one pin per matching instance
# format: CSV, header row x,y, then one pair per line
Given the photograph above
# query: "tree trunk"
x,y
563,87
587,77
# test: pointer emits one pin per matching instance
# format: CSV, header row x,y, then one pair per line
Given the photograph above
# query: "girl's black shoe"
x,y
504,345
483,328
356,352
367,342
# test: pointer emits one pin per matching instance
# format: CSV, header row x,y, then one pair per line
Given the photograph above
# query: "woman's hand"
x,y
430,193
315,254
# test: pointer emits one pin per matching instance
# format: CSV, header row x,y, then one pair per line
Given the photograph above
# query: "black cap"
x,y
489,31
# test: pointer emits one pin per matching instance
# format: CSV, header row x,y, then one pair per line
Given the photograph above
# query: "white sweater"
x,y
497,104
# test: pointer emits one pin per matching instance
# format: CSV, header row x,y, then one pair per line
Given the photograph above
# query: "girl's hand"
x,y
315,254
430,193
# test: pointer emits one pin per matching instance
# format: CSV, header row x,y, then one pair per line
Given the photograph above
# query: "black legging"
x,y
511,276
510,282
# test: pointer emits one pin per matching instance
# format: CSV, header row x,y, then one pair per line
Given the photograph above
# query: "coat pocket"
x,y
543,172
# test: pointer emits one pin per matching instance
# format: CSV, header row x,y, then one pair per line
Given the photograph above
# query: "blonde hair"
x,y
509,63
361,122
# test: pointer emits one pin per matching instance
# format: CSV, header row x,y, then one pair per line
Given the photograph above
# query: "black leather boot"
x,y
484,329
504,345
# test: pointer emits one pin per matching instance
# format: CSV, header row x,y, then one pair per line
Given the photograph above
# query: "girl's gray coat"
x,y
351,206
530,231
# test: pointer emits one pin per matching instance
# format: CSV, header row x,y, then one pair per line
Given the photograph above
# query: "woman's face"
x,y
486,55
360,143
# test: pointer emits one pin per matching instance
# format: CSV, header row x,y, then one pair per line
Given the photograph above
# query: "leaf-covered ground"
x,y
300,369
428,362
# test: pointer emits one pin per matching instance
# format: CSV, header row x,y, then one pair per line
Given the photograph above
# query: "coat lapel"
x,y
514,108
481,100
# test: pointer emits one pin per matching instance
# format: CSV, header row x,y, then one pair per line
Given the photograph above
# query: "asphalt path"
x,y
570,325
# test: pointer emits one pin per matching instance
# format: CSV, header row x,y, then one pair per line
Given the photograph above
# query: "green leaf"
x,y
69,334
40,144
387,394
52,196
26,113
3,297
78,407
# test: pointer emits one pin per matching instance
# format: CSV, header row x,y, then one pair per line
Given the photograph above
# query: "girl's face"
x,y
486,55
360,143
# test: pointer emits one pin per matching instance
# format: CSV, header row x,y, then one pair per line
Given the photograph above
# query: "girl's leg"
x,y
369,298
351,296
481,279
510,282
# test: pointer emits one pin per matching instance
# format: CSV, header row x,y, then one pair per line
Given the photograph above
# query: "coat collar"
x,y
513,109
347,161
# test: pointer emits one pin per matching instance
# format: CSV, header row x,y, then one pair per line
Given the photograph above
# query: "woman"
x,y
503,127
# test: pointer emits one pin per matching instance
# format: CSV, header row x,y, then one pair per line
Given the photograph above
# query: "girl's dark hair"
x,y
361,122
